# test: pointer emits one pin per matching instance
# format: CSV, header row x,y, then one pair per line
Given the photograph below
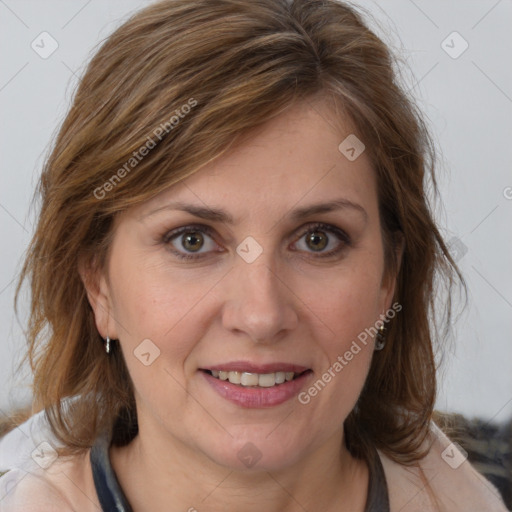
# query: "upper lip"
x,y
249,367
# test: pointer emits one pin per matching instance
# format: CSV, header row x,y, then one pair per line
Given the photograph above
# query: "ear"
x,y
99,296
390,277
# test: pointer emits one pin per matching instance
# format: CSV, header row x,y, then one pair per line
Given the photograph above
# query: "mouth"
x,y
256,386
255,380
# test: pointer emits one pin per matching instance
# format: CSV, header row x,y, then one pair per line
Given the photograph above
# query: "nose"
x,y
259,301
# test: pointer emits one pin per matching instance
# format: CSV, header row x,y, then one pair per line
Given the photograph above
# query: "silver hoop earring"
x,y
108,348
380,341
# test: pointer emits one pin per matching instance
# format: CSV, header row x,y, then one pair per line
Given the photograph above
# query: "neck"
x,y
155,471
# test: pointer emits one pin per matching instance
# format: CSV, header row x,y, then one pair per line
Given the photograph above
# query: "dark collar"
x,y
110,494
377,499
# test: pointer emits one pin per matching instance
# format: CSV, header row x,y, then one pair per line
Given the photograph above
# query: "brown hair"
x,y
236,64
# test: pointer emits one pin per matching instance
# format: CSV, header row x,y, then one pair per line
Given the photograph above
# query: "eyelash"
x,y
193,228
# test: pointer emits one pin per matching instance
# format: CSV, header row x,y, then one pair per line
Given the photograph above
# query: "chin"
x,y
258,452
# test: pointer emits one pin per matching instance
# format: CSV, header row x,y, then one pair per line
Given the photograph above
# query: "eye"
x,y
318,241
188,241
195,241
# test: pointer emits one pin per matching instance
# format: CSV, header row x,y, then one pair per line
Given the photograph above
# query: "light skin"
x,y
290,304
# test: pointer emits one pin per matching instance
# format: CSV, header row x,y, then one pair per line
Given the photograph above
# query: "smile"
x,y
250,379
252,389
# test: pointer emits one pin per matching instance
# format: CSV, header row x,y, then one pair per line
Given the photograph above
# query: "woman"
x,y
236,261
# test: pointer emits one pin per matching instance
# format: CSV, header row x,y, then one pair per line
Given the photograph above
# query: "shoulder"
x,y
36,477
65,486
443,481
30,492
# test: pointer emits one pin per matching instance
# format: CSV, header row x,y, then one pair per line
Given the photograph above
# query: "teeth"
x,y
249,379
235,377
280,377
267,380
264,380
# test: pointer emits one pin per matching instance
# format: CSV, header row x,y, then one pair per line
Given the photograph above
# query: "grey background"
x,y
467,102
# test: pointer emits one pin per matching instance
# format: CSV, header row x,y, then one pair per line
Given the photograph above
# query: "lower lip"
x,y
257,397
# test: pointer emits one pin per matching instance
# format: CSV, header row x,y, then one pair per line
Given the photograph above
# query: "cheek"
x,y
152,302
140,295
338,383
158,325
347,305
349,302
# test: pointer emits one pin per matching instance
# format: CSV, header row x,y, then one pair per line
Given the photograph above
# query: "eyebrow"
x,y
219,215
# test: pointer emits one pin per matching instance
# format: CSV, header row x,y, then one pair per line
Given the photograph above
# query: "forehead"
x,y
294,159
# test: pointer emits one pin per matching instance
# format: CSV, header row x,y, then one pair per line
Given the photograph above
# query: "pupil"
x,y
318,241
193,242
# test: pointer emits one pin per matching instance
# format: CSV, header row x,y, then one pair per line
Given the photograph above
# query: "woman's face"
x,y
283,275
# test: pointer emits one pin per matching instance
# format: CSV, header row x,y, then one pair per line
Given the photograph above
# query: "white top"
x,y
37,481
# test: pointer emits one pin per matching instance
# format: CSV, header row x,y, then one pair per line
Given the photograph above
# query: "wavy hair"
x,y
236,64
